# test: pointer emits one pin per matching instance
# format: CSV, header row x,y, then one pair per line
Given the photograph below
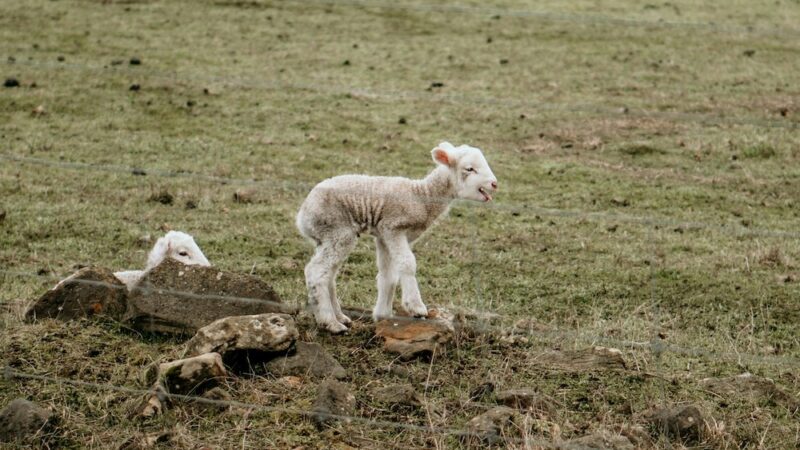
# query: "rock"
x,y
526,400
398,396
488,427
602,440
245,195
308,359
90,292
192,375
244,341
757,387
153,404
595,358
24,421
414,337
142,441
218,398
684,423
175,298
334,400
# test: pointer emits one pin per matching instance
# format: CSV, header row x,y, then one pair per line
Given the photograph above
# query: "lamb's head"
x,y
470,172
177,245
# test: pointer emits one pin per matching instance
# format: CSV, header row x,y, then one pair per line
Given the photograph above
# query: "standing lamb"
x,y
175,244
396,211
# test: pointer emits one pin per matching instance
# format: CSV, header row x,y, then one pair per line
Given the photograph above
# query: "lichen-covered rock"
x,y
334,403
308,360
489,427
192,375
152,404
684,423
414,337
22,421
175,298
245,341
89,292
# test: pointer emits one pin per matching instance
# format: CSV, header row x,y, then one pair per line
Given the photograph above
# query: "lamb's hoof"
x,y
417,310
335,328
344,320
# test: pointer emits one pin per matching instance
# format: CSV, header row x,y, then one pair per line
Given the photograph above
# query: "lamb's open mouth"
x,y
486,196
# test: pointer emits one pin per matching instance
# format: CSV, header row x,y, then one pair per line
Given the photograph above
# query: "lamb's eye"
x,y
470,169
183,253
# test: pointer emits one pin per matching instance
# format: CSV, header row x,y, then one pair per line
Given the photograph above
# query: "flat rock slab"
x,y
334,401
308,360
684,423
489,427
414,337
89,292
597,441
526,400
192,375
749,384
174,298
590,359
22,421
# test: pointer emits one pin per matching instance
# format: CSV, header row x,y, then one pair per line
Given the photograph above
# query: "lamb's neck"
x,y
438,187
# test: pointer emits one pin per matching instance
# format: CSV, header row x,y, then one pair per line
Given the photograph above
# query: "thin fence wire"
x,y
290,186
11,373
334,87
554,16
656,345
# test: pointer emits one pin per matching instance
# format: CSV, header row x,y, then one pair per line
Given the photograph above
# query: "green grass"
x,y
685,124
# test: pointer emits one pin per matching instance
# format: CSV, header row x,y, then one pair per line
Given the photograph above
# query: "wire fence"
x,y
340,87
651,344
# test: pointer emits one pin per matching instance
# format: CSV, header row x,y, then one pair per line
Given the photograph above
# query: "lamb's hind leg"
x,y
319,276
404,265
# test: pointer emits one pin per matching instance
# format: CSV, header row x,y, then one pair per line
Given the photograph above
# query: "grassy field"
x,y
647,156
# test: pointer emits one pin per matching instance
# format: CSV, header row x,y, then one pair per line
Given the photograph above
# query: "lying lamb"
x,y
396,211
175,244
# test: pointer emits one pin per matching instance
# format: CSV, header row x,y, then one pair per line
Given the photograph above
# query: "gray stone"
x,y
174,298
488,428
590,359
398,396
334,401
526,400
597,441
684,423
763,389
308,360
22,421
89,292
192,375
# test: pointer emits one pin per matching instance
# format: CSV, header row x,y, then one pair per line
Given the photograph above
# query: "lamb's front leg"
x,y
404,265
387,282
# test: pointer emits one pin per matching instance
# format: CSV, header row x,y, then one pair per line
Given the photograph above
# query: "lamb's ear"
x,y
158,253
444,154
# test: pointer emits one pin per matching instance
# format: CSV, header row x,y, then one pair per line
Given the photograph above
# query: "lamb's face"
x,y
179,246
472,174
188,253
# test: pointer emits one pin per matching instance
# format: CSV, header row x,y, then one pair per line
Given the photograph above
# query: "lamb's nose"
x,y
494,185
